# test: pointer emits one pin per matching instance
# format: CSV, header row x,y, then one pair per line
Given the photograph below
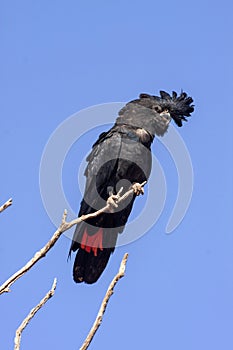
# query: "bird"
x,y
120,159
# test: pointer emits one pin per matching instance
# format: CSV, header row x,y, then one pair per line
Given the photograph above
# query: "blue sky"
x,y
60,57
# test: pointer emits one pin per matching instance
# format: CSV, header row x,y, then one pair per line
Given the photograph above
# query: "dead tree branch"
x,y
6,205
105,301
64,226
32,314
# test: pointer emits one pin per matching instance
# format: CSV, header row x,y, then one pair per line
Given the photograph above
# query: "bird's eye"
x,y
157,109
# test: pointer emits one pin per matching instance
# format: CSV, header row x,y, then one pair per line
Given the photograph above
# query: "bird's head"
x,y
154,113
169,106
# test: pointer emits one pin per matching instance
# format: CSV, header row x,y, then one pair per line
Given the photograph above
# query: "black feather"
x,y
164,95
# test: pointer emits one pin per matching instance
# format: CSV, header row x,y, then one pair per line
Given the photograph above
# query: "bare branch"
x,y
117,199
5,287
6,205
32,314
64,226
105,301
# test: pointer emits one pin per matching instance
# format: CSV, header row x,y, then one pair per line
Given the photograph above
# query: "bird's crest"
x,y
179,107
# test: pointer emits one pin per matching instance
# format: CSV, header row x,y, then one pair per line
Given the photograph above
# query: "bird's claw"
x,y
138,189
112,202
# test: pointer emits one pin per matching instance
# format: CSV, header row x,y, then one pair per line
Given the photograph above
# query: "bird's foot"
x,y
112,202
138,189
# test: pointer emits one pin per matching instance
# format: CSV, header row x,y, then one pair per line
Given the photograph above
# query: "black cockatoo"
x,y
120,157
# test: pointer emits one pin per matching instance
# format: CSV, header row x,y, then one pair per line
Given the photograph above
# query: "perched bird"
x,y
121,157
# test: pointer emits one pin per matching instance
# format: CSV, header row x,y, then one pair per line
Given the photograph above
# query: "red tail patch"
x,y
92,243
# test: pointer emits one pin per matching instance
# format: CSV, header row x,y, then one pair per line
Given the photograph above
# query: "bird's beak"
x,y
166,117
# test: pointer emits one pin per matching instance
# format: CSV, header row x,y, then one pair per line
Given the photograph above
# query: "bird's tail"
x,y
88,267
92,256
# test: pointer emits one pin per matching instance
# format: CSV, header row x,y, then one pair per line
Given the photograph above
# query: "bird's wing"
x,y
102,164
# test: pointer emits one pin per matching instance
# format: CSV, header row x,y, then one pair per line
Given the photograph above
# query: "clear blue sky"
x,y
59,57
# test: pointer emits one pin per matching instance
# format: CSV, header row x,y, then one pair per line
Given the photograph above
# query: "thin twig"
x,y
6,205
64,226
5,287
32,314
105,301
